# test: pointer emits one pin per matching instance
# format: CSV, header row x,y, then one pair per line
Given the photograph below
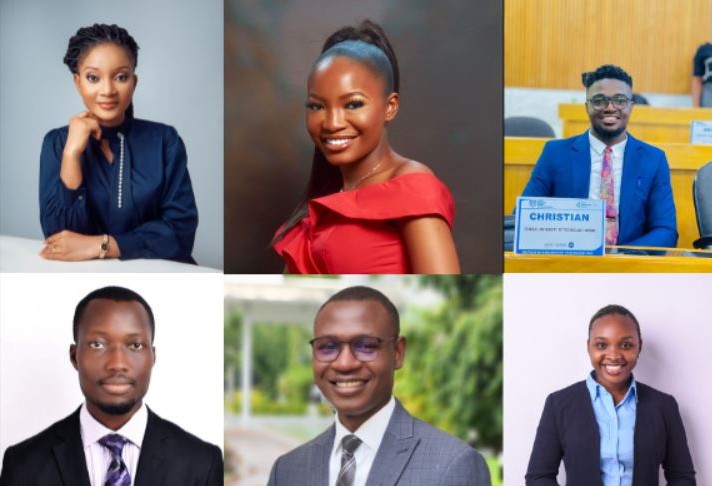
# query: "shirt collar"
x,y
92,430
371,431
598,146
595,389
123,128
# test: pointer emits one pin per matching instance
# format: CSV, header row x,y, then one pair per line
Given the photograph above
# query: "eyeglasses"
x,y
600,102
364,348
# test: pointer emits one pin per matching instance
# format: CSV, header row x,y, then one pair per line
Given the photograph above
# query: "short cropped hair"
x,y
614,309
362,293
607,71
117,294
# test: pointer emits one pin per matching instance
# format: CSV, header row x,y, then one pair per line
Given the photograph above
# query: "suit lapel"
x,y
632,161
318,460
592,426
395,451
69,453
641,434
580,166
151,469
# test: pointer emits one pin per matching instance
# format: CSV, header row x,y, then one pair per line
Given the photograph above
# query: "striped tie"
x,y
118,473
346,476
608,195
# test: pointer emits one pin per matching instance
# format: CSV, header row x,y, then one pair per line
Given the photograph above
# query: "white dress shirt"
x,y
597,148
371,434
98,457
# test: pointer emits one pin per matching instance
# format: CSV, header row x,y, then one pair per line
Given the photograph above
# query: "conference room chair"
x,y
527,126
702,196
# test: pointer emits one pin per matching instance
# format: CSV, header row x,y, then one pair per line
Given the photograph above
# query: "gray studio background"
x,y
180,71
450,118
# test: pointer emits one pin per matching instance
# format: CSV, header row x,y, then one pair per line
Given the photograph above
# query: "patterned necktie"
x,y
118,473
608,195
346,476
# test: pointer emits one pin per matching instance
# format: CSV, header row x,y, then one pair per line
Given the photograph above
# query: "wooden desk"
x,y
521,154
676,260
21,255
648,123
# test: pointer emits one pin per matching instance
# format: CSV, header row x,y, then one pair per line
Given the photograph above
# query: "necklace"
x,y
363,178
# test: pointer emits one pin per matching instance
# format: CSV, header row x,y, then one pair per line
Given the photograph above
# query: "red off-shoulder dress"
x,y
359,231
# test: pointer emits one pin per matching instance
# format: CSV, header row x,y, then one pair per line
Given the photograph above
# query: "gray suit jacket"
x,y
412,453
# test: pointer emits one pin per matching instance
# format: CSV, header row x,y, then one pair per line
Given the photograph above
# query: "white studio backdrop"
x,y
545,329
39,385
180,83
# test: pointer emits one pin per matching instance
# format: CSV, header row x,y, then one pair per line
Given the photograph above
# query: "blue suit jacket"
x,y
568,431
646,209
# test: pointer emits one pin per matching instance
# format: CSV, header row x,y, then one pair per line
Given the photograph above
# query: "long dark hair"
x,y
88,37
324,178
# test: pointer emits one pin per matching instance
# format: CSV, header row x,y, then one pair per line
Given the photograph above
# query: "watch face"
x,y
104,246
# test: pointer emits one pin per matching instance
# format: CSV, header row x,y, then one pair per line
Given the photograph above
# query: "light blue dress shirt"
x,y
616,427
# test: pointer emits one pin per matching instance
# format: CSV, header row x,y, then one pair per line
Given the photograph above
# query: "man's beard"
x,y
116,409
605,134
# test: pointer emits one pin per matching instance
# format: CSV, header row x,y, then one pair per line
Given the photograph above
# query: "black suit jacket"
x,y
169,456
568,430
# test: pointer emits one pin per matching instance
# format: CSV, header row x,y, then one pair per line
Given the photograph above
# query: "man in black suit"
x,y
113,439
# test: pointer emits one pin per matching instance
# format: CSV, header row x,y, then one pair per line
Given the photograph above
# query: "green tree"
x,y
452,375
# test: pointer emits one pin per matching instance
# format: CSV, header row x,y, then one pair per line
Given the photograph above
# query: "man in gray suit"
x,y
374,441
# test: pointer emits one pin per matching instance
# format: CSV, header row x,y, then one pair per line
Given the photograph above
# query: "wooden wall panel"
x,y
549,43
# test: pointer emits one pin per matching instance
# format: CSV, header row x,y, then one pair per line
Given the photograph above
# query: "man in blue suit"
x,y
608,163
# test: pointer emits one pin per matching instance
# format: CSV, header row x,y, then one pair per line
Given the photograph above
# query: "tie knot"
x,y
350,443
608,149
114,442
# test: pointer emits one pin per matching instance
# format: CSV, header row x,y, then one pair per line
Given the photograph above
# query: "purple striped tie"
x,y
118,473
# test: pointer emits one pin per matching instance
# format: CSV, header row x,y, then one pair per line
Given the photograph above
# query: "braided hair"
x,y
87,38
366,43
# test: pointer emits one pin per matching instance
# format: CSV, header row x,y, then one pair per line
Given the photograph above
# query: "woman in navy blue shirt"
x,y
112,185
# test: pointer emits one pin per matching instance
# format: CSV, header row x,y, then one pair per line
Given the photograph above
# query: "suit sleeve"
x,y
541,181
216,474
170,236
60,208
273,474
547,451
677,464
661,223
8,475
467,468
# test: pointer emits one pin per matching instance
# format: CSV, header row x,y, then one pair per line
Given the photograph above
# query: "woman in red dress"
x,y
367,209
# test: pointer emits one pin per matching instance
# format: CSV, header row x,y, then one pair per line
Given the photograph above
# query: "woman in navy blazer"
x,y
570,427
111,185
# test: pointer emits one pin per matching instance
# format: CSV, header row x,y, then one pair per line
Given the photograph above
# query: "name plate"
x,y
560,226
701,132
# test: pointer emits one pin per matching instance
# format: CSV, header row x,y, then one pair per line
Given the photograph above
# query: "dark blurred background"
x,y
450,56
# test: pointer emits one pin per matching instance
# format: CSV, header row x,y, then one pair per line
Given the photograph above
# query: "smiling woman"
x,y
367,209
111,185
610,428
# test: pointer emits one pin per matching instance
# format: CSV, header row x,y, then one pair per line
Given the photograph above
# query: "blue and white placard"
x,y
560,225
701,132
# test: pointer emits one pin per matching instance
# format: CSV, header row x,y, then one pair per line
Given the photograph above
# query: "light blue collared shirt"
x,y
616,426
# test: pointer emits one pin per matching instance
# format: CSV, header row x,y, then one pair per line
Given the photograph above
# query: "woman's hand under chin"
x,y
71,247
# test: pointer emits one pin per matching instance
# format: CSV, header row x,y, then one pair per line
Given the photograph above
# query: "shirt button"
x,y
80,197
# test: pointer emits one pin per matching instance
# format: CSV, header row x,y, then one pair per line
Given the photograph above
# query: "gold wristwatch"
x,y
104,248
